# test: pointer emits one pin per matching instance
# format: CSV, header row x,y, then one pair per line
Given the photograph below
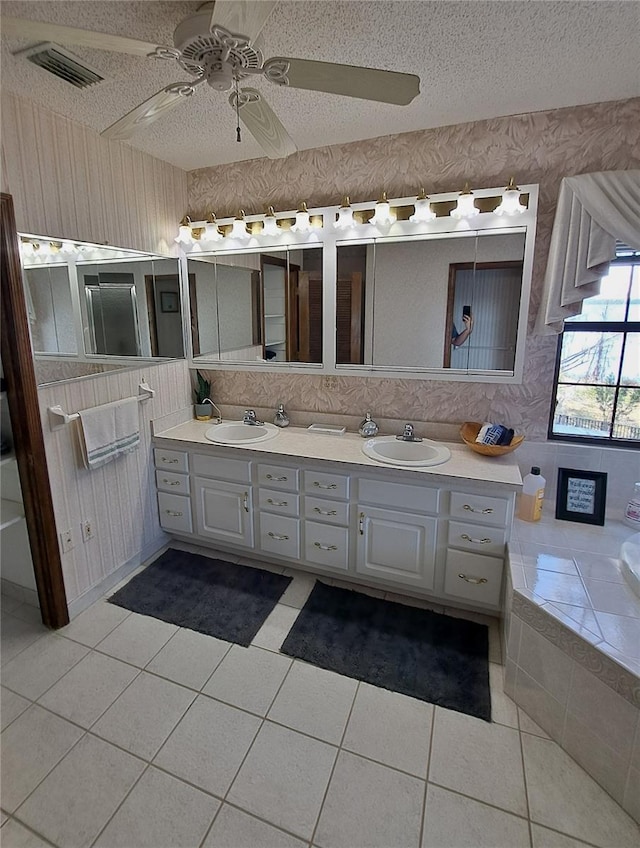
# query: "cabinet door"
x,y
396,546
223,511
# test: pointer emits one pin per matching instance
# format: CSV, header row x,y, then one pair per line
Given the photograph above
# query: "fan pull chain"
x,y
238,136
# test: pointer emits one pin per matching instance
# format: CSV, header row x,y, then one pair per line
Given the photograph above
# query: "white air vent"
x,y
62,64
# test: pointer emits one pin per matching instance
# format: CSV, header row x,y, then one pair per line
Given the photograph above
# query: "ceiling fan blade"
x,y
349,80
41,31
263,124
148,112
246,17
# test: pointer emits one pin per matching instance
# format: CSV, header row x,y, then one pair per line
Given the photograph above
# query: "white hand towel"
x,y
108,431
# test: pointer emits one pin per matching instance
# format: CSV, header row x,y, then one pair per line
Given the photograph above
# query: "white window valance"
x,y
594,211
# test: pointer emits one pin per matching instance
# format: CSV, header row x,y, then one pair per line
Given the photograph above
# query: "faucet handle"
x,y
249,415
408,430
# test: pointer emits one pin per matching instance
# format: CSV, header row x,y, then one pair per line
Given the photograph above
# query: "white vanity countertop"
x,y
296,442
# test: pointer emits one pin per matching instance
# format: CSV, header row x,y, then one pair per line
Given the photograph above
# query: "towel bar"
x,y
58,417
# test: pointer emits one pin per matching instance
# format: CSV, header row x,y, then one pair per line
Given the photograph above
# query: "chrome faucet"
x,y
249,417
218,416
407,434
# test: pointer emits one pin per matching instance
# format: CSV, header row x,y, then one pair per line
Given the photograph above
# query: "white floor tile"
x,y
89,689
370,805
391,728
144,715
31,747
189,658
275,629
284,778
298,591
248,678
454,821
16,835
41,665
160,812
528,725
138,639
95,623
479,759
90,782
11,706
29,613
564,797
545,838
18,635
234,828
315,701
208,745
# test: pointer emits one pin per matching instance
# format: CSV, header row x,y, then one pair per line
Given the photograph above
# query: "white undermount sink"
x,y
237,433
411,454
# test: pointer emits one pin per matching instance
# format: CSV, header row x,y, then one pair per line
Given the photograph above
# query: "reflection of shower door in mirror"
x,y
350,319
112,314
165,315
492,290
274,300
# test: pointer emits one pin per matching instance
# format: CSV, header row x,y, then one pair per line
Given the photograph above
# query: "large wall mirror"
x,y
257,306
94,308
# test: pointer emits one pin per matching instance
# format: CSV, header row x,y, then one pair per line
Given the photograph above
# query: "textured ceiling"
x,y
475,59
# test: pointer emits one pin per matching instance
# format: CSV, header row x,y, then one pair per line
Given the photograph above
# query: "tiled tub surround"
x,y
572,628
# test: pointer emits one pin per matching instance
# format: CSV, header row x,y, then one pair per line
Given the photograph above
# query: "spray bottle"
x,y
530,507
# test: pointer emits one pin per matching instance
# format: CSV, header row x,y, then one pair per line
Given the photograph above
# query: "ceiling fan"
x,y
217,46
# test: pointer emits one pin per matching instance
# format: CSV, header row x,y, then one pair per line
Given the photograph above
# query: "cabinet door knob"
x,y
325,485
486,511
276,503
174,513
172,482
245,502
325,547
484,541
361,519
475,580
275,536
325,511
278,479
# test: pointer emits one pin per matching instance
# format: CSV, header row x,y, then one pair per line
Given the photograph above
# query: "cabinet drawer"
x,y
331,512
328,546
171,460
328,485
278,477
167,481
278,502
475,537
235,470
280,535
175,512
479,508
473,577
399,495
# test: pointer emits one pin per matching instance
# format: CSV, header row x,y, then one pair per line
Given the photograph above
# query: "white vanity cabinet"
x,y
391,528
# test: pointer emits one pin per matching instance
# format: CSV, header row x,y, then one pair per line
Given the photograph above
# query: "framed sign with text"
x,y
581,496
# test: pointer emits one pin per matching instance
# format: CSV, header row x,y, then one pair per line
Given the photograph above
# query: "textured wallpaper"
x,y
540,147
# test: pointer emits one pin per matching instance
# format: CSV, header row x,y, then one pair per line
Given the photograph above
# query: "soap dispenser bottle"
x,y
368,428
281,419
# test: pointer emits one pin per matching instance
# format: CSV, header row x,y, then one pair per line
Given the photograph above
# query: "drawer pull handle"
x,y
277,479
475,580
486,511
325,547
361,519
275,536
277,503
325,511
484,541
172,482
245,501
324,485
169,461
173,513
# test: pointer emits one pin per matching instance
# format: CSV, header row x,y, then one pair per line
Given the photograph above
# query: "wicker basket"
x,y
470,430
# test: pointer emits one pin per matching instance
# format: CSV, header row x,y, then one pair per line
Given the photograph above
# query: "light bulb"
x,y
270,226
303,221
69,248
510,201
27,248
423,211
382,216
239,229
345,216
465,207
185,236
211,231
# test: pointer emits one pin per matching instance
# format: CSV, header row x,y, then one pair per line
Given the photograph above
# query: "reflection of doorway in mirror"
x,y
492,290
350,294
165,316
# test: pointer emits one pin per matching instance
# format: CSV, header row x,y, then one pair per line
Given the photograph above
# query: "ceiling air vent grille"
x,y
64,65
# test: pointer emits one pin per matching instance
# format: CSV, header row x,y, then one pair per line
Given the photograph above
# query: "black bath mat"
x,y
215,597
420,653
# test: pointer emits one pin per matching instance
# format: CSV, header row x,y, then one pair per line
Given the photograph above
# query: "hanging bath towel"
x,y
108,431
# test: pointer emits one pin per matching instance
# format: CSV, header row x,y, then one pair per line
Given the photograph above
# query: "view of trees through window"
x,y
598,370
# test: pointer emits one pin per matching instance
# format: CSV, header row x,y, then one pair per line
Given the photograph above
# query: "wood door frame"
x,y
26,424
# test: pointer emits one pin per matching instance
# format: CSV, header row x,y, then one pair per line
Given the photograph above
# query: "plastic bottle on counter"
x,y
530,503
632,512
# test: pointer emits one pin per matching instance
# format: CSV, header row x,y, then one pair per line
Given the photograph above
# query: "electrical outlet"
x,y
86,528
66,541
330,382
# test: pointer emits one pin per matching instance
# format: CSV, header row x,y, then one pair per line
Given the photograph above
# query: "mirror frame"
x,y
329,238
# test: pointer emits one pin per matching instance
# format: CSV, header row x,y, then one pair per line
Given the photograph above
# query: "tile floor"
x,y
120,731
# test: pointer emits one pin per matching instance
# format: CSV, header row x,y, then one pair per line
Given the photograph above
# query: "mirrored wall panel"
x,y
261,306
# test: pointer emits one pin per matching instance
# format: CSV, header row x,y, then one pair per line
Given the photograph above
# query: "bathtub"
x,y
630,560
17,575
